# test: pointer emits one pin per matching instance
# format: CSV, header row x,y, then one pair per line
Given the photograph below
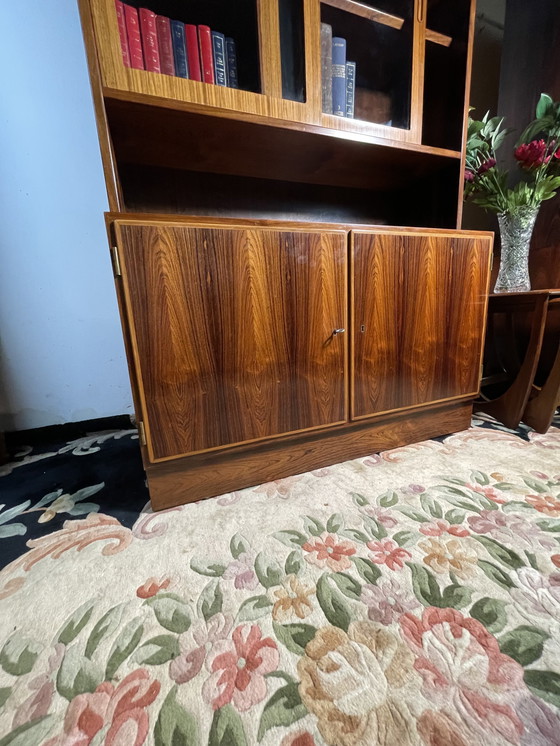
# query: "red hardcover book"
x,y
133,35
193,56
165,43
122,32
206,54
148,30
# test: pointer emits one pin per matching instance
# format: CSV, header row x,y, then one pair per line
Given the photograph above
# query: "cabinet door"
x,y
232,331
419,303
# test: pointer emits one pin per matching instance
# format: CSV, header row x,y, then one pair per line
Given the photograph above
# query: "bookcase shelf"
x,y
367,12
437,38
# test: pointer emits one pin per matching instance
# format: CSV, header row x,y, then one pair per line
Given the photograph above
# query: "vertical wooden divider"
x,y
269,48
418,62
313,83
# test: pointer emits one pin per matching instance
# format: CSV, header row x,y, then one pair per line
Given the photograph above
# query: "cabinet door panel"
x,y
232,331
418,318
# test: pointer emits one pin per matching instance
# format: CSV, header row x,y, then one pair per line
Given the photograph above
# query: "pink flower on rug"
x,y
280,487
542,724
381,515
413,489
544,504
238,667
188,663
299,738
439,527
464,670
535,594
152,586
387,552
121,708
510,528
386,601
328,550
242,572
489,492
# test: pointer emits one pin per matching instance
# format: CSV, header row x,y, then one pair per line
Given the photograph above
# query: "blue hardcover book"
x,y
231,60
179,49
219,49
350,88
339,76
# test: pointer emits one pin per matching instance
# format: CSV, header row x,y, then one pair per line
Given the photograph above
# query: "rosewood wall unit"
x,y
275,320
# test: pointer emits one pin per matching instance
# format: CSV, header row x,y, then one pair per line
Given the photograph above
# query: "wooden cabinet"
x,y
275,320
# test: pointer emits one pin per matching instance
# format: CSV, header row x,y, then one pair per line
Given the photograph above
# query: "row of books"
x,y
338,75
162,45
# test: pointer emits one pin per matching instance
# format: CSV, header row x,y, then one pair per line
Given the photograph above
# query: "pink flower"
x,y
188,664
386,601
413,489
489,492
152,586
382,516
387,552
121,708
487,165
439,527
469,175
510,528
281,488
532,155
238,667
242,572
327,550
464,670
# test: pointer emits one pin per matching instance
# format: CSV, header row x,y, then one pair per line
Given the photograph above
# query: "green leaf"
x,y
359,500
480,478
107,625
210,600
125,644
347,585
355,535
545,106
496,574
30,734
268,570
290,538
426,588
76,623
536,484
77,675
388,499
524,644
207,567
431,506
514,506
294,563
375,529
175,726
545,684
404,537
367,569
335,523
333,604
456,596
227,728
294,636
280,675
19,654
454,516
157,650
313,526
238,545
499,552
491,612
282,709
552,526
532,559
171,611
7,515
254,608
5,692
412,513
12,529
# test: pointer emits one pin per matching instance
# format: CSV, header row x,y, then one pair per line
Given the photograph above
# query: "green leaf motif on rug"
x,y
456,596
348,585
30,734
76,623
355,535
171,611
496,574
294,636
491,612
294,563
157,650
175,726
388,499
412,513
238,545
455,516
282,709
210,600
524,644
545,684
313,526
209,568
18,655
359,500
126,643
374,528
402,538
227,728
536,484
290,538
367,569
5,692
335,523
107,625
431,506
426,588
254,608
499,552
268,570
333,604
77,674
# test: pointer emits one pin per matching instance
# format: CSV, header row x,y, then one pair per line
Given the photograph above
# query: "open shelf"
x,y
366,11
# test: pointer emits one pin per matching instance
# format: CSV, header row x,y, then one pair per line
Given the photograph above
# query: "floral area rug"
x,y
411,597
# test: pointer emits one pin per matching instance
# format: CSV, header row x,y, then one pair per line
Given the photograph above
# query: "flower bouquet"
x,y
486,184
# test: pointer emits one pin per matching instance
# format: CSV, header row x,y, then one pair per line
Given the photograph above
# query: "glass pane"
x,y
383,66
292,47
401,8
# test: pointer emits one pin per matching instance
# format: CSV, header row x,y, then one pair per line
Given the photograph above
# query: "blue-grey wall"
x,y
61,351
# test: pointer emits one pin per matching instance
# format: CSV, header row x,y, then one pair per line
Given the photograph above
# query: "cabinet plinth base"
x,y
205,475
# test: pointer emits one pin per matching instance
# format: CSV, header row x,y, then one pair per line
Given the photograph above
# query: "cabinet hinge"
x,y
142,433
116,262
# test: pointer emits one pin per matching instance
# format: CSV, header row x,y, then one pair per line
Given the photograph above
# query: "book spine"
x,y
150,47
133,36
350,88
206,55
179,49
193,55
219,49
339,76
165,44
326,67
122,32
231,58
